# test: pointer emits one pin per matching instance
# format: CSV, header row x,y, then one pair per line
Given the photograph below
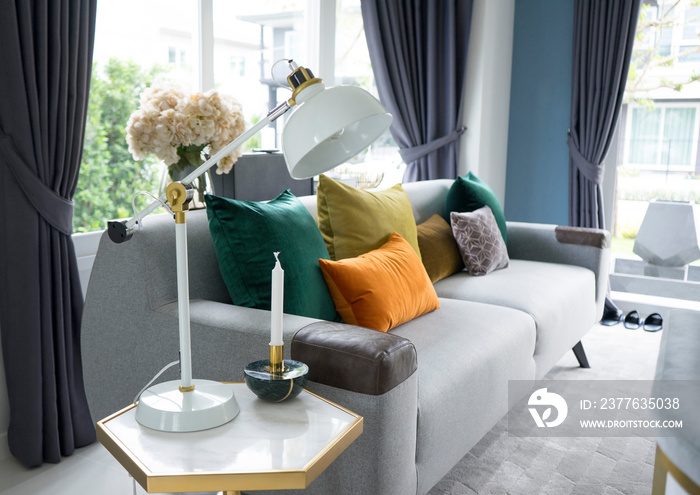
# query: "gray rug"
x,y
503,464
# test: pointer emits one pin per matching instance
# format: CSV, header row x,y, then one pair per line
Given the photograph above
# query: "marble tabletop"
x,y
267,446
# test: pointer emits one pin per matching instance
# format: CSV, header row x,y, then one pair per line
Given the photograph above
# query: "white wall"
x,y
487,93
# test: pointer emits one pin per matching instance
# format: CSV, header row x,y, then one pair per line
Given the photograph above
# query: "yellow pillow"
x,y
380,289
438,248
353,221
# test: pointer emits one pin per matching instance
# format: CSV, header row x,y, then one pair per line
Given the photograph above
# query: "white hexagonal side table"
x,y
668,236
267,446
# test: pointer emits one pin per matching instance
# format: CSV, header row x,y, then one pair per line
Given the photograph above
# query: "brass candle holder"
x,y
276,362
276,379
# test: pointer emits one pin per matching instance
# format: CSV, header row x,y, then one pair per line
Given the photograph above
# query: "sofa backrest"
x,y
427,198
149,257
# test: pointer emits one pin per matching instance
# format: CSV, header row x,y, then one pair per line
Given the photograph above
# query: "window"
x,y
381,165
258,34
659,126
645,135
133,52
672,29
238,66
177,58
664,138
664,39
692,24
660,36
690,32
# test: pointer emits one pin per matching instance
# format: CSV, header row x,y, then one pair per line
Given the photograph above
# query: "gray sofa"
x,y
428,390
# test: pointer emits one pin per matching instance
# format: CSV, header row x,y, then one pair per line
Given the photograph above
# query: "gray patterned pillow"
x,y
480,242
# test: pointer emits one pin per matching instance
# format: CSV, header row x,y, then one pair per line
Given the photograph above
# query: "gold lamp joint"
x,y
179,196
300,79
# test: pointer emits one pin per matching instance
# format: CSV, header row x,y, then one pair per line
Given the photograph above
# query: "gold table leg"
x,y
232,492
658,486
663,466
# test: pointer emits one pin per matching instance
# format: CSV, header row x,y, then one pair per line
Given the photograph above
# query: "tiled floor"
x,y
91,470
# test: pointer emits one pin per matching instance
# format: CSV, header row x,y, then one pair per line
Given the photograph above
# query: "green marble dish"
x,y
276,387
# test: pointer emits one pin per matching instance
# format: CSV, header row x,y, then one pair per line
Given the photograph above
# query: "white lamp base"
x,y
163,407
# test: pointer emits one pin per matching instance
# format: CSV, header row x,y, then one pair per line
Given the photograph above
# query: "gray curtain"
x,y
45,64
418,50
603,41
604,34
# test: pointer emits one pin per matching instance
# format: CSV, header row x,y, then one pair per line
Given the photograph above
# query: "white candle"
x,y
277,302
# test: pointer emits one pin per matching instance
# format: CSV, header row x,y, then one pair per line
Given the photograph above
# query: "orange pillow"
x,y
380,289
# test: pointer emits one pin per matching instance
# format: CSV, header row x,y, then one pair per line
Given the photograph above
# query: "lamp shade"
x,y
329,127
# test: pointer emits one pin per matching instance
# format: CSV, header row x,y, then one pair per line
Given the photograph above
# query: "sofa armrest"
x,y
354,358
588,248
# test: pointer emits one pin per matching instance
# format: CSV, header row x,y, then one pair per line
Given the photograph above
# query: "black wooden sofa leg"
x,y
580,355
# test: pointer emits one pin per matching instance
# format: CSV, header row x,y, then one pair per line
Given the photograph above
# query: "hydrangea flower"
x,y
169,120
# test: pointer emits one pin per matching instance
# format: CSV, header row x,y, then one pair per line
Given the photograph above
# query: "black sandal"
x,y
632,320
611,318
653,323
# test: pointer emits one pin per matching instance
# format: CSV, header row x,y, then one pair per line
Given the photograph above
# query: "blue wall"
x,y
537,174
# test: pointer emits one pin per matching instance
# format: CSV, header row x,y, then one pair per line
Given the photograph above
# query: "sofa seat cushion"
x,y
560,299
466,354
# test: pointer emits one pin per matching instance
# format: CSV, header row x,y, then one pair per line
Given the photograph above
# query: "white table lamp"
x,y
327,128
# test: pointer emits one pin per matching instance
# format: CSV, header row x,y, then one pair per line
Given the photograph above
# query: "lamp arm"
x,y
120,231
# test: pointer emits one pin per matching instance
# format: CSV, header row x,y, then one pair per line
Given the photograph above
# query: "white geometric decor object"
x,y
668,235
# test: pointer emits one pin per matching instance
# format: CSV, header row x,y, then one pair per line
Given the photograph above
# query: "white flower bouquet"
x,y
177,128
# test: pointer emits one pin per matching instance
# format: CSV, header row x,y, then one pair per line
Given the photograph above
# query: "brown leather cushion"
x,y
582,236
354,358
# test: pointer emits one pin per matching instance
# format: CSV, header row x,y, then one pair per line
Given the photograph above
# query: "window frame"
x,y
320,47
321,55
320,36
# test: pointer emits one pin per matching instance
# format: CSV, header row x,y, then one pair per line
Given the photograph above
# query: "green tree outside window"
x,y
109,176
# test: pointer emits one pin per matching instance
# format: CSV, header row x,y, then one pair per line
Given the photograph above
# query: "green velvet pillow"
x,y
247,233
469,193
